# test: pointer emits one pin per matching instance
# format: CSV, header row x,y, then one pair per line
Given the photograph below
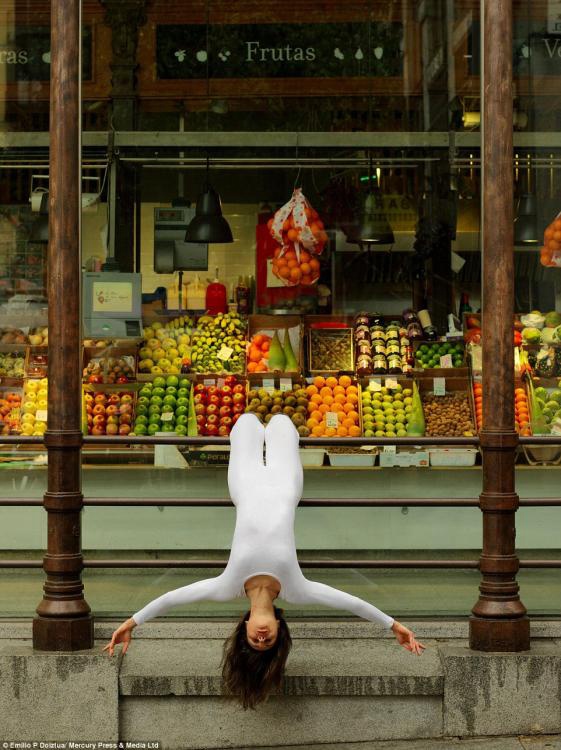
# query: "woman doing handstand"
x,y
262,564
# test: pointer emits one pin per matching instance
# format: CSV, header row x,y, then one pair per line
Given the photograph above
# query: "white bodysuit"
x,y
265,496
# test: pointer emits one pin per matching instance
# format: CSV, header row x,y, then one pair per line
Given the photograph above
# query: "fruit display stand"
x,y
13,360
440,358
162,405
109,410
113,364
330,347
10,409
548,395
269,350
218,344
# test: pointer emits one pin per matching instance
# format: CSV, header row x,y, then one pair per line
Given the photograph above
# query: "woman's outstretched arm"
x,y
213,589
314,592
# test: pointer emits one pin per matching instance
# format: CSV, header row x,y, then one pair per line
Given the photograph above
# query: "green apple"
x,y
181,411
145,391
172,380
171,390
181,429
155,409
141,409
168,427
184,383
159,382
153,428
182,419
183,393
169,400
141,429
158,392
143,400
140,419
182,401
368,433
156,400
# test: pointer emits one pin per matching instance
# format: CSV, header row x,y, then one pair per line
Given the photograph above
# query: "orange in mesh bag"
x,y
297,228
550,253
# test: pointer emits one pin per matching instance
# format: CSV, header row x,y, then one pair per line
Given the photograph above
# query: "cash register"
x,y
112,305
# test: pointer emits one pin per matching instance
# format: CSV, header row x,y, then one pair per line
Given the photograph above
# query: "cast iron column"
x,y
65,622
500,622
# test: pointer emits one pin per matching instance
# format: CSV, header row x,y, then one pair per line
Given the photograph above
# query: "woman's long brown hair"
x,y
249,674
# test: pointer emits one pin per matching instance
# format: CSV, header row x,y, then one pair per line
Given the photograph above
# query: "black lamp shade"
x,y
526,221
374,227
208,225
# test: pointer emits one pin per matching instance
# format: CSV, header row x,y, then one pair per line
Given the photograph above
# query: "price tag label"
x,y
221,382
41,415
439,386
285,384
390,449
446,361
375,384
167,416
391,383
225,353
331,419
269,384
209,381
310,379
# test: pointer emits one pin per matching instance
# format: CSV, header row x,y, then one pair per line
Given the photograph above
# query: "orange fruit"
x,y
328,400
348,407
292,263
319,430
251,366
337,408
317,414
353,415
330,431
255,354
339,398
311,390
261,367
342,431
351,389
348,423
352,398
319,381
326,391
295,274
316,398
304,256
292,234
345,381
306,280
290,255
323,408
284,272
314,264
331,382
354,431
305,268
312,423
338,389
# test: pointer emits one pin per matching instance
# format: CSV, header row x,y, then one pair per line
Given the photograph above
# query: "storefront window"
x,y
363,321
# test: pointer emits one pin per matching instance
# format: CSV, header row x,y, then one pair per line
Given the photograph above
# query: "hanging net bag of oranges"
x,y
550,253
301,237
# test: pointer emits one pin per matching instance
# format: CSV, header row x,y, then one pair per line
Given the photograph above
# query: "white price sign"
x,y
285,384
391,383
269,384
439,386
375,384
209,381
225,353
446,360
41,415
167,416
390,449
331,419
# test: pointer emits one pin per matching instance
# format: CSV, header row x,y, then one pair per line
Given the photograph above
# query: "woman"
x,y
262,564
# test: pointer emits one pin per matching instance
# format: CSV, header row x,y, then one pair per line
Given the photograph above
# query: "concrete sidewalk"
x,y
522,742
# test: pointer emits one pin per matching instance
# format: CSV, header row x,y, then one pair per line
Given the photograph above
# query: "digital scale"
x,y
112,305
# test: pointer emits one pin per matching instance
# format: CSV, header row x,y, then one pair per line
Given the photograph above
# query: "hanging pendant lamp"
x,y
208,225
373,227
526,221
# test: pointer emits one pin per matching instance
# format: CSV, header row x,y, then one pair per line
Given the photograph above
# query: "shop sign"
x,y
327,50
26,54
536,47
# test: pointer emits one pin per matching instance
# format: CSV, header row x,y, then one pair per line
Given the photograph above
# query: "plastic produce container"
x,y
452,456
352,459
312,456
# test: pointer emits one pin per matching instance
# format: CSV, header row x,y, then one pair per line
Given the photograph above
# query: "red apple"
x,y
212,409
99,409
213,390
126,409
199,398
112,429
212,419
226,421
114,398
199,388
113,419
99,398
214,398
111,410
227,400
201,420
90,420
212,430
99,419
89,398
238,388
98,429
89,409
225,411
125,419
223,430
238,408
230,380
124,429
126,398
200,409
238,397
226,390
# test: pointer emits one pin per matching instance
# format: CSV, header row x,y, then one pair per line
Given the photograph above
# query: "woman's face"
x,y
262,631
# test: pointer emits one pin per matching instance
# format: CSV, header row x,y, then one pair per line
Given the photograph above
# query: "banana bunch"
x,y
219,343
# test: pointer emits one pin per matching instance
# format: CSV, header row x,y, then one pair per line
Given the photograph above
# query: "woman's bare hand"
x,y
122,635
406,638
